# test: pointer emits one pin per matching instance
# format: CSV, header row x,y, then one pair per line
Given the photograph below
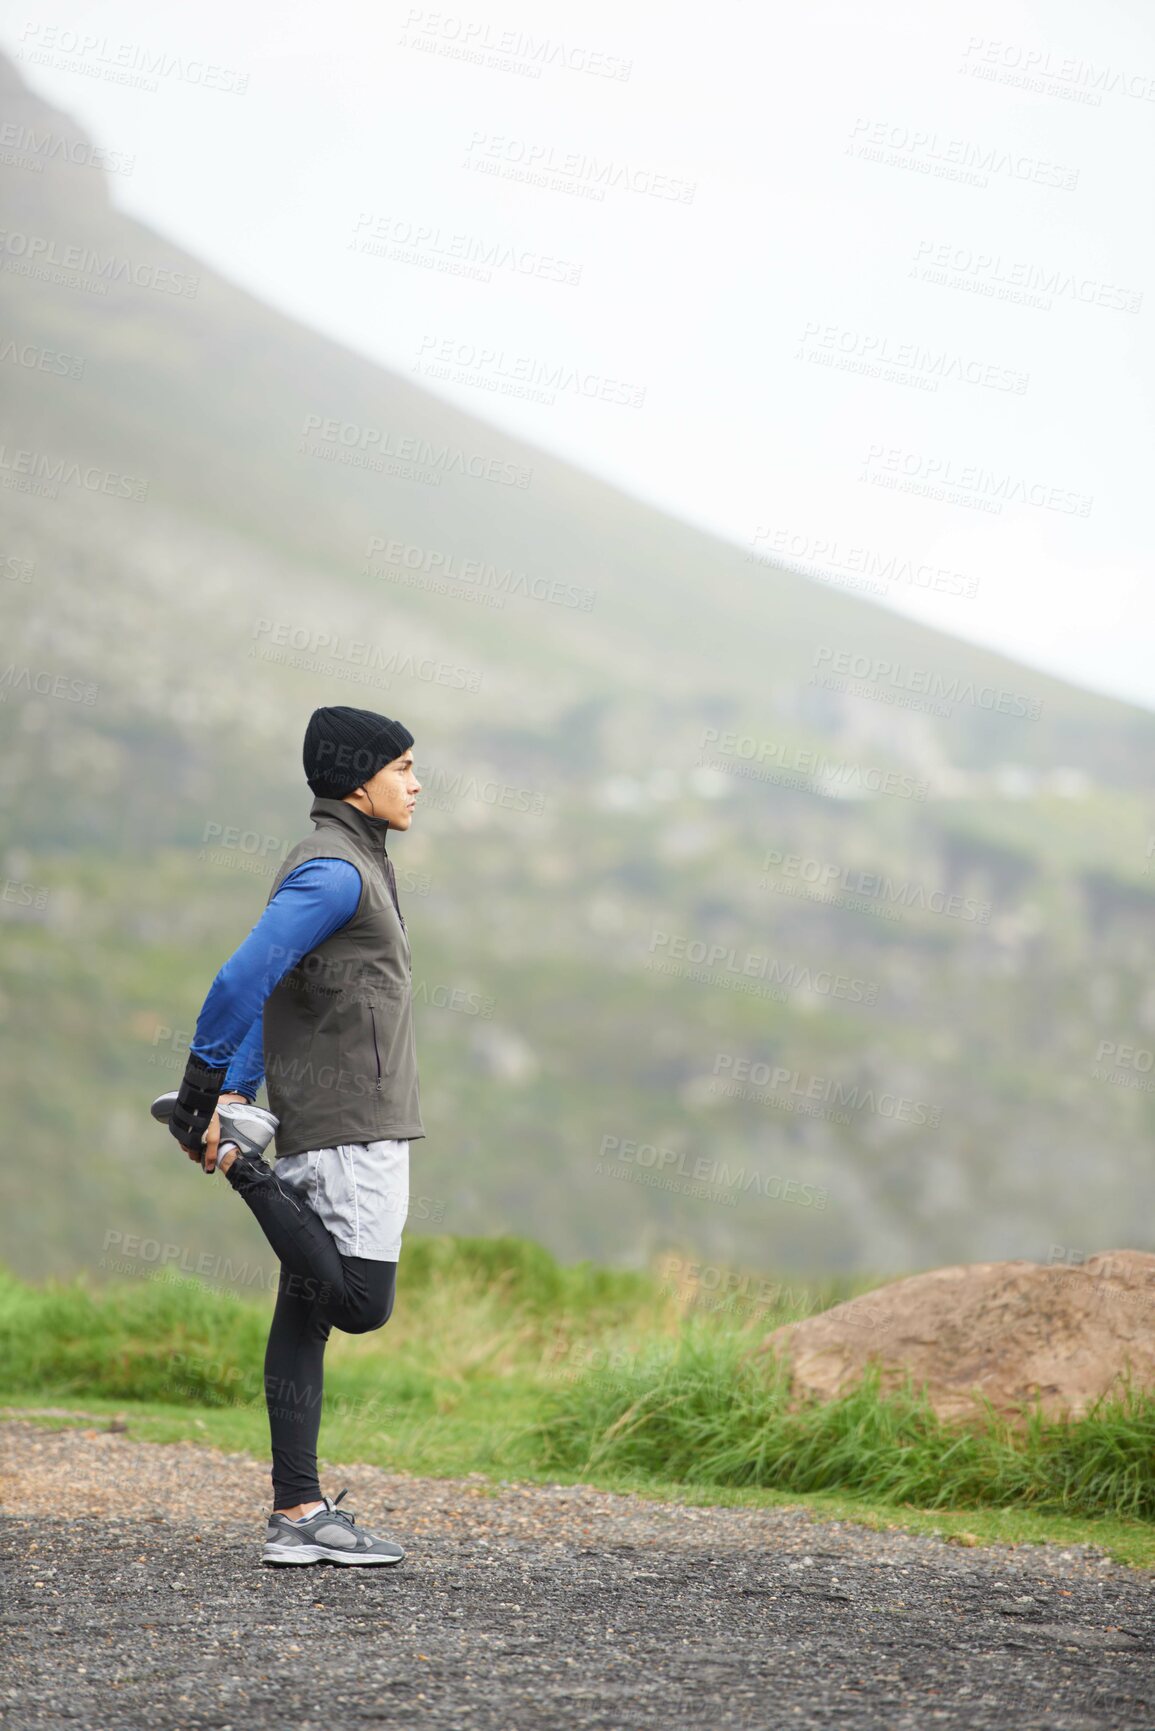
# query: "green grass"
x,y
703,1412
500,1361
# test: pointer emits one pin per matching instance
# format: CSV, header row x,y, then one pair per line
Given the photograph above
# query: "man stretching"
x,y
318,999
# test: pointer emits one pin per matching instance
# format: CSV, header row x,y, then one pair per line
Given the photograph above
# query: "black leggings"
x,y
319,1289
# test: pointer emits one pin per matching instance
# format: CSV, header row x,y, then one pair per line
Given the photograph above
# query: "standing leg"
x,y
294,1363
294,1368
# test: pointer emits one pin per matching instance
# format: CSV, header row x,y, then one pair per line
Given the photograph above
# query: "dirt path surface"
x,y
133,1597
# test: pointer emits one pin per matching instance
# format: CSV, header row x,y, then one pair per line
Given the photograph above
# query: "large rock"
x,y
1014,1332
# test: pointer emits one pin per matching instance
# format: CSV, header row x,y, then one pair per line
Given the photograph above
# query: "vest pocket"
x,y
376,1047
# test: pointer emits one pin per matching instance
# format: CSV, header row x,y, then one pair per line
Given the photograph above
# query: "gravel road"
x,y
133,1597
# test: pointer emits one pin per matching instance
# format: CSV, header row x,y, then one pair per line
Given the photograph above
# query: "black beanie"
x,y
345,747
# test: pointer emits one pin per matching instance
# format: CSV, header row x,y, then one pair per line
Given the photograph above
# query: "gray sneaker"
x,y
329,1536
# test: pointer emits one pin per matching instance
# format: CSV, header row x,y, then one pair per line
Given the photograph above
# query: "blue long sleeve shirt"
x,y
315,900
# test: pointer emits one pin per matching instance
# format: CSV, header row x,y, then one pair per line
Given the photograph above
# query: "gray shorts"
x,y
359,1189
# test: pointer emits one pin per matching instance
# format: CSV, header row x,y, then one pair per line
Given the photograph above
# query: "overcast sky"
x,y
870,288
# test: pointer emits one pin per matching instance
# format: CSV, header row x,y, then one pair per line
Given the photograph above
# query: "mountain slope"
x,y
190,567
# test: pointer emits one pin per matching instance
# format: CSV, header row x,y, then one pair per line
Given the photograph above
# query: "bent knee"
x,y
367,1317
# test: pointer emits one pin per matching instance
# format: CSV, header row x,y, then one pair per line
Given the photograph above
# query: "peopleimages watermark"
x,y
1020,282
448,573
435,995
41,682
262,855
170,1046
34,357
883,681
318,976
861,891
779,1086
75,265
399,240
1041,70
407,456
315,651
874,355
709,1286
462,1000
344,979
443,790
299,1398
126,1252
848,566
720,964
324,1078
17,569
924,151
43,475
1098,1284
706,1178
191,1376
527,376
567,1361
1124,1065
15,892
968,484
481,43
24,146
1068,1256
572,172
338,986
1111,1701
120,62
788,765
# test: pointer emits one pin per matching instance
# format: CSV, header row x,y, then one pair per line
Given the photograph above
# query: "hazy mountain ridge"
x,y
235,387
570,836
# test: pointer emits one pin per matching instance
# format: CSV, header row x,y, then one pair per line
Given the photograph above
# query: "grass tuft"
x,y
700,1412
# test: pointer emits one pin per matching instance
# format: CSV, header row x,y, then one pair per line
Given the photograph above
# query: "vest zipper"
x,y
376,1052
387,866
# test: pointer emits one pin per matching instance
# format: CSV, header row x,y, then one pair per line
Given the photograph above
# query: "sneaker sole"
x,y
299,1554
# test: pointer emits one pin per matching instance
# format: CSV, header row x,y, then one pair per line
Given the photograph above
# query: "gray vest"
x,y
340,1057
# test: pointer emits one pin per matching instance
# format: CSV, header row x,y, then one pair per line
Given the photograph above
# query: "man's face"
x,y
393,792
